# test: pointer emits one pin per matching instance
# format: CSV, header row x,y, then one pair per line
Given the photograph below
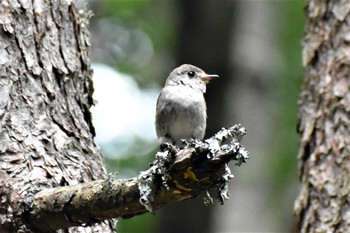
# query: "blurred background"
x,y
255,47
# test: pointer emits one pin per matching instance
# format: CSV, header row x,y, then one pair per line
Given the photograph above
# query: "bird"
x,y
181,111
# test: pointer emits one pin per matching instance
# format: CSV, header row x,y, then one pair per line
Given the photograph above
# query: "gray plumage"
x,y
181,109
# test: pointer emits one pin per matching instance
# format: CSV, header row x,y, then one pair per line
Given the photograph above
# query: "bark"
x,y
324,107
51,172
46,136
175,175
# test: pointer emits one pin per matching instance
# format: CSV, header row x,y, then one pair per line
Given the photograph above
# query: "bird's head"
x,y
191,76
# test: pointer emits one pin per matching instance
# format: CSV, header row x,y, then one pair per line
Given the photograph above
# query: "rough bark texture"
x,y
174,176
323,204
46,136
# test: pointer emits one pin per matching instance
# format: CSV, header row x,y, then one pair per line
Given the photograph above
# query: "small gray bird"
x,y
181,109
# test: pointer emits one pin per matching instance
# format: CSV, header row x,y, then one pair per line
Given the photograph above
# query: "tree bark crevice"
x,y
45,124
175,175
52,176
324,120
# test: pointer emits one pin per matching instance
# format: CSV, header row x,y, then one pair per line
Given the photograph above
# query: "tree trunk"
x,y
46,135
324,108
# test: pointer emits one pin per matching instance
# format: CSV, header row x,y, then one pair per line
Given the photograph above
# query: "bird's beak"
x,y
208,77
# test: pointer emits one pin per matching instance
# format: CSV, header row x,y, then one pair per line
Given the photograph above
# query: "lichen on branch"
x,y
198,167
175,175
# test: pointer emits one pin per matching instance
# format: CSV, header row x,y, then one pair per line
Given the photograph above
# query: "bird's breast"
x,y
184,97
181,113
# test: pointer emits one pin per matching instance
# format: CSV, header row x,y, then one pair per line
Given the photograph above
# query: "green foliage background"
x,y
159,20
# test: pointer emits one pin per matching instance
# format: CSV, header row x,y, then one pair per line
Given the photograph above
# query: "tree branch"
x,y
175,175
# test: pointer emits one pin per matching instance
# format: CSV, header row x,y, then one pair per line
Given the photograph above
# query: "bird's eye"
x,y
191,73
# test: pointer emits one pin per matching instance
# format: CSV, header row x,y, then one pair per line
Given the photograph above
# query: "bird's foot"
x,y
168,146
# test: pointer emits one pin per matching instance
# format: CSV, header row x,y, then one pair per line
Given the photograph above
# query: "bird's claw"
x,y
169,147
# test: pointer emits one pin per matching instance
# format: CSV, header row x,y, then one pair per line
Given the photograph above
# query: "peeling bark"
x,y
46,135
323,204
